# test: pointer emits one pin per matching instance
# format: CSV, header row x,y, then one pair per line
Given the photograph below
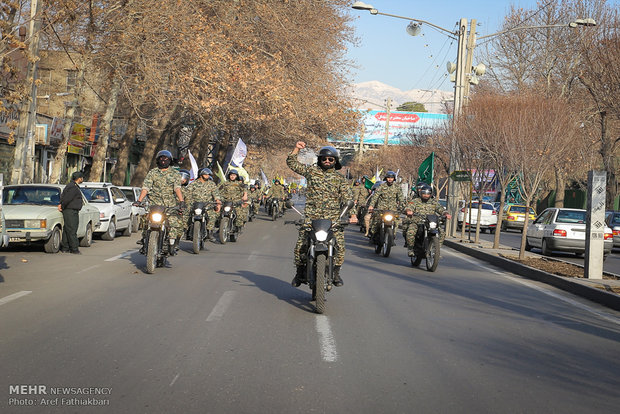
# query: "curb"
x,y
607,299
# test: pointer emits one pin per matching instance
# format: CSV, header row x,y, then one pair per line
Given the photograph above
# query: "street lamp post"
x,y
464,74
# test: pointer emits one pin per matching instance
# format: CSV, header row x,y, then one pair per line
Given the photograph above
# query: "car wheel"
x,y
87,240
111,233
52,245
127,232
135,225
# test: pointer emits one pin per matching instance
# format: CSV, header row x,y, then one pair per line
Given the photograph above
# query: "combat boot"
x,y
337,279
210,236
300,276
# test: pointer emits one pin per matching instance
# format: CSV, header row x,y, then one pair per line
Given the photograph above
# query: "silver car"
x,y
31,215
612,218
562,229
132,194
114,208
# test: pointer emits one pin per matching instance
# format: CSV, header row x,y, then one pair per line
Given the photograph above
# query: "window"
x,y
570,216
71,79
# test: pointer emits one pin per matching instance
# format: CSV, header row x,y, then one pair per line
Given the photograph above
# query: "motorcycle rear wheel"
x,y
319,284
151,252
432,254
196,238
224,230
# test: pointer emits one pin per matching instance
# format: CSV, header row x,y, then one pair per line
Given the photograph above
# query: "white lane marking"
x,y
221,306
120,256
14,296
87,269
326,338
174,380
266,236
253,255
542,290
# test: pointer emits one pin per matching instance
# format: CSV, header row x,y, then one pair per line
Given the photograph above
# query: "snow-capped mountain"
x,y
373,95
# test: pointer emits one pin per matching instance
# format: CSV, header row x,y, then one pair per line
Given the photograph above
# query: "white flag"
x,y
264,177
241,151
193,173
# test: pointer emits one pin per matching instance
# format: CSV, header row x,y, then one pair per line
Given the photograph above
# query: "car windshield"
x,y
521,209
615,220
129,194
570,216
44,196
96,195
484,206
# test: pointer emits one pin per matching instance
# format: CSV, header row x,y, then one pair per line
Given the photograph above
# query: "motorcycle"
x,y
320,255
274,208
158,243
227,229
384,238
251,213
198,228
430,244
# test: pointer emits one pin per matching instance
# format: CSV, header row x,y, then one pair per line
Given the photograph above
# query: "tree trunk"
x,y
154,140
120,171
99,160
61,152
609,163
528,201
560,185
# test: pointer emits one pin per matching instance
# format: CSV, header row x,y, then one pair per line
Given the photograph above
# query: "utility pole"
x,y
387,120
23,158
471,44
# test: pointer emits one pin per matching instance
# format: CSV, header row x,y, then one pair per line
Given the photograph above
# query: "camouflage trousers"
x,y
415,231
242,216
301,248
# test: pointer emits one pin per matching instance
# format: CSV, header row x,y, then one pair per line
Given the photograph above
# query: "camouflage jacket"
x,y
360,194
277,191
326,191
388,197
255,195
232,191
160,185
202,191
421,209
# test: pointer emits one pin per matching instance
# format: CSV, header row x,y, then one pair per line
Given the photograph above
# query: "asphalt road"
x,y
224,332
512,238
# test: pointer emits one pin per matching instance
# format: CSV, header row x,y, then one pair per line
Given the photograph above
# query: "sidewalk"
x,y
599,291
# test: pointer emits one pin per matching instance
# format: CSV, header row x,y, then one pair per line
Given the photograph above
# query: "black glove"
x,y
182,205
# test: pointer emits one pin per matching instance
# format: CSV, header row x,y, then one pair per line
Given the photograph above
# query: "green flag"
x,y
425,171
368,183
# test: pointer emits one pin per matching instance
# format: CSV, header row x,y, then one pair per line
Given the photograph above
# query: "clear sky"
x,y
388,54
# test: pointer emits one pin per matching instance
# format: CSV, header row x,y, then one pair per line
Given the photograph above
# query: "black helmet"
x,y
185,175
389,174
163,158
330,152
233,171
425,189
205,171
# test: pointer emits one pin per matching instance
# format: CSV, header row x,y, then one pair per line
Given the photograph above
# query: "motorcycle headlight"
x,y
321,235
156,217
388,217
432,225
198,211
227,209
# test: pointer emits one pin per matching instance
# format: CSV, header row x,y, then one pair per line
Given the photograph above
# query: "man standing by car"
x,y
70,205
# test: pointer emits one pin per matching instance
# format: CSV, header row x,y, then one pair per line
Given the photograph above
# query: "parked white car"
x,y
114,208
31,215
562,229
132,194
488,217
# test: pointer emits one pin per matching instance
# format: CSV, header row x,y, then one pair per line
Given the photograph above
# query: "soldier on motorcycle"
x,y
278,192
203,189
327,191
387,197
163,186
234,190
417,209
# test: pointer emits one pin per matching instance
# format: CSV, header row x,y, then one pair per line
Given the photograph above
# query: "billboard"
x,y
402,126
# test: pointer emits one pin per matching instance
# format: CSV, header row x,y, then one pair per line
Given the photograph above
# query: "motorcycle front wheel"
x,y
432,254
224,230
320,283
386,247
274,214
151,252
196,238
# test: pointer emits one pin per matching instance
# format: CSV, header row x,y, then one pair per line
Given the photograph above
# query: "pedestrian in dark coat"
x,y
70,206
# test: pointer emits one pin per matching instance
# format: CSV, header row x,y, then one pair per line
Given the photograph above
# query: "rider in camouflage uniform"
x,y
387,197
163,186
360,194
326,192
255,196
204,190
234,190
417,209
278,192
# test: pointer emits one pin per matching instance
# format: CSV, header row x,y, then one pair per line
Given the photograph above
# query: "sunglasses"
x,y
328,159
